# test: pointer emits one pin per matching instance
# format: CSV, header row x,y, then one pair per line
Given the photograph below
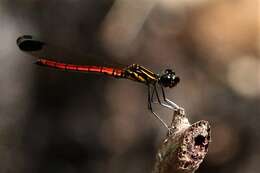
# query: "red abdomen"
x,y
115,72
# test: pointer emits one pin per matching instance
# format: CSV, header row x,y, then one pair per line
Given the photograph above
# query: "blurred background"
x,y
53,121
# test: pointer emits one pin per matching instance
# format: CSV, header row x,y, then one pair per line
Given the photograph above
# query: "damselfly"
x,y
134,72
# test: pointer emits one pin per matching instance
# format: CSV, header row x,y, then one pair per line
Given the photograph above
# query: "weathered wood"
x,y
184,147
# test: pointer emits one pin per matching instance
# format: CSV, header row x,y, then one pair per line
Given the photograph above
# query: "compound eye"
x,y
168,71
174,82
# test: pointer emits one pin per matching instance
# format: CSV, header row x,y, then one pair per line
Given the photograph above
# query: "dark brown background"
x,y
52,121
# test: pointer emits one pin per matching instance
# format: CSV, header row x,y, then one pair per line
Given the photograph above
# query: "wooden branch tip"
x,y
184,148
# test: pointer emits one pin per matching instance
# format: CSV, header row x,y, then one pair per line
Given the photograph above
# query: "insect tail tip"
x,y
38,62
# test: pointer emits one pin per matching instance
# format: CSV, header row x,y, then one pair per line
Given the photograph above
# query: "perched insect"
x,y
133,72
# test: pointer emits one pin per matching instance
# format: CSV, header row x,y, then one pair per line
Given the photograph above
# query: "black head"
x,y
168,79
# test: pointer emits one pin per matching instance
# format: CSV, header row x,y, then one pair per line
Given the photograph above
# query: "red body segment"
x,y
115,72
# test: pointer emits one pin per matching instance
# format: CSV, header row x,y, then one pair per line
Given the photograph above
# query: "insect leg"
x,y
169,106
174,105
151,109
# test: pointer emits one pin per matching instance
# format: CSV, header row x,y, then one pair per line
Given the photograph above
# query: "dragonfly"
x,y
155,82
